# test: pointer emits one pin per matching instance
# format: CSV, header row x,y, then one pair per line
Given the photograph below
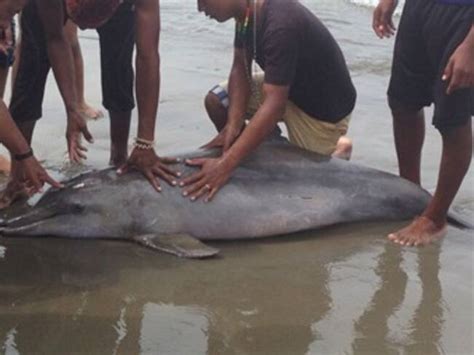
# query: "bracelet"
x,y
143,146
20,157
144,141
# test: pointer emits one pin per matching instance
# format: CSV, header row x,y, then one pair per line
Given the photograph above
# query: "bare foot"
x,y
343,149
90,112
12,193
422,231
4,165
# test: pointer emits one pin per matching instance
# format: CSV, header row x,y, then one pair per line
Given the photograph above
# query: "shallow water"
x,y
339,290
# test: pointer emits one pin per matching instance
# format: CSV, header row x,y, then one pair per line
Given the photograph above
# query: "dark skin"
x,y
239,94
60,55
147,14
29,172
215,173
409,130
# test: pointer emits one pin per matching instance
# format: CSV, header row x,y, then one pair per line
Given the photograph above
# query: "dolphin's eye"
x,y
77,207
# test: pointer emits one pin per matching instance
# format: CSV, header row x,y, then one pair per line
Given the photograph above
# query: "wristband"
x,y
21,157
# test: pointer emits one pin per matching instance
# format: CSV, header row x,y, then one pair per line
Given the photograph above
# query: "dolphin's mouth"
x,y
39,214
27,219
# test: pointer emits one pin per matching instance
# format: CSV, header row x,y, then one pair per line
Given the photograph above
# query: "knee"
x,y
400,109
212,104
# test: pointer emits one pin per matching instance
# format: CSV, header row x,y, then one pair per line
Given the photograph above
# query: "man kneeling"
x,y
306,84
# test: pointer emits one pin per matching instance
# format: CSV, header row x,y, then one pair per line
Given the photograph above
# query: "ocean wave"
x,y
373,3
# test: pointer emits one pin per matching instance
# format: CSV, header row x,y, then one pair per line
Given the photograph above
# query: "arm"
x,y
51,13
264,121
28,169
239,90
147,13
382,22
216,172
459,72
10,136
239,96
143,157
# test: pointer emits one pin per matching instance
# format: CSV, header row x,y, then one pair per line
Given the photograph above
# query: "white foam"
x,y
374,3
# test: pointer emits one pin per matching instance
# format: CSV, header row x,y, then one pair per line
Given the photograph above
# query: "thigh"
x,y
117,42
33,68
413,74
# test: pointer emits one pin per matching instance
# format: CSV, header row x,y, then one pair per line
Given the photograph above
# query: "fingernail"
x,y
181,184
174,183
159,189
185,193
444,77
179,174
193,198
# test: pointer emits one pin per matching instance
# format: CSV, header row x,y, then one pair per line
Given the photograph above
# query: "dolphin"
x,y
280,189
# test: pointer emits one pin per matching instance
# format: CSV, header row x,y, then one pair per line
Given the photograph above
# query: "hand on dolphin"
x,y
207,182
224,138
30,173
152,166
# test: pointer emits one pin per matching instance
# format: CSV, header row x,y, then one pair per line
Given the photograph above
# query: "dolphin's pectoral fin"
x,y
182,245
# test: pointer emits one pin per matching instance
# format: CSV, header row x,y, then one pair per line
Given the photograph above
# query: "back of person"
x,y
320,81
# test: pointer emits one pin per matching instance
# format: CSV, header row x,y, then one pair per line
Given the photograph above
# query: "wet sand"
x,y
339,290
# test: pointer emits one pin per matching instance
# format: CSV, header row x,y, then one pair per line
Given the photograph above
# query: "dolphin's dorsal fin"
x,y
182,245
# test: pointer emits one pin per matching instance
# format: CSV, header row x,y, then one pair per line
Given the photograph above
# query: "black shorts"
x,y
428,34
117,41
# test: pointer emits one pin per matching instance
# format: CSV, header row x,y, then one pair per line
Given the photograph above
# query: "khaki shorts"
x,y
303,130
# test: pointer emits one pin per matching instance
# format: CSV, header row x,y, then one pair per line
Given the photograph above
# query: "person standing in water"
x,y
433,63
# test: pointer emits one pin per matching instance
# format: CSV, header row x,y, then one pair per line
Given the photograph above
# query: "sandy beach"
x,y
341,290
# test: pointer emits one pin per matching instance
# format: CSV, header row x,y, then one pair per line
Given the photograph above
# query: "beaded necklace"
x,y
243,29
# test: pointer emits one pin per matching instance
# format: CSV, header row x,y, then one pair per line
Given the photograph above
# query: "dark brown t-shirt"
x,y
295,49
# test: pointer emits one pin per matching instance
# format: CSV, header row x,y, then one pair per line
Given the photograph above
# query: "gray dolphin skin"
x,y
280,189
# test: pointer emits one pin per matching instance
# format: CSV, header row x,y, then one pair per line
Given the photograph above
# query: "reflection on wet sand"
x,y
90,298
342,290
372,332
70,299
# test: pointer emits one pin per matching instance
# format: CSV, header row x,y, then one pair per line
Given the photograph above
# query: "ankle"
x,y
439,221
